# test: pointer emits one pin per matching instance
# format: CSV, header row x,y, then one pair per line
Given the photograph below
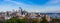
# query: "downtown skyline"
x,y
44,6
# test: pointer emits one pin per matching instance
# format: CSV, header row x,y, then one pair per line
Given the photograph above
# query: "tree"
x,y
15,20
44,20
56,20
36,20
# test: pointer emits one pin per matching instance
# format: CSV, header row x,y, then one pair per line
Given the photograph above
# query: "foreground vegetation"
x,y
16,20
35,20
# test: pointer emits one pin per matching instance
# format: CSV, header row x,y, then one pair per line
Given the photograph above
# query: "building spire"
x,y
20,10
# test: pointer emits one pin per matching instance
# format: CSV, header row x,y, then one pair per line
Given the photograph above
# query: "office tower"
x,y
20,11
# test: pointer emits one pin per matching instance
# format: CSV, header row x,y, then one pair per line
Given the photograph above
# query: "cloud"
x,y
46,9
7,0
37,8
53,2
29,8
52,9
53,6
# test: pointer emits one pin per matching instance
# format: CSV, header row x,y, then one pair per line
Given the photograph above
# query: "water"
x,y
54,15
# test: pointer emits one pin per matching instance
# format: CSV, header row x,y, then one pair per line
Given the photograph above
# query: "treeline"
x,y
17,20
35,20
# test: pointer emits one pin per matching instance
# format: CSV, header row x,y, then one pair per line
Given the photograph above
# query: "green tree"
x,y
15,20
56,20
44,20
36,20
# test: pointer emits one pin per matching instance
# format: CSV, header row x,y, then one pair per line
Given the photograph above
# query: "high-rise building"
x,y
20,11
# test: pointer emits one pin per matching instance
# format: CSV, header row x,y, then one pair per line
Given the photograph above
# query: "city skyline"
x,y
44,6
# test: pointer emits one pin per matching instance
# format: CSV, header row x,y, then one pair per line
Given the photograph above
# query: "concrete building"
x,y
33,15
48,18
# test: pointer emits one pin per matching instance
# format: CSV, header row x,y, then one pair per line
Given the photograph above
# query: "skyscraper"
x,y
20,11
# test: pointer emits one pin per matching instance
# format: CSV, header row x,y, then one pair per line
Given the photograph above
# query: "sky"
x,y
43,6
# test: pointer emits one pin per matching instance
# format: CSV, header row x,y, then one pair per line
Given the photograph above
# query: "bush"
x,y
15,20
